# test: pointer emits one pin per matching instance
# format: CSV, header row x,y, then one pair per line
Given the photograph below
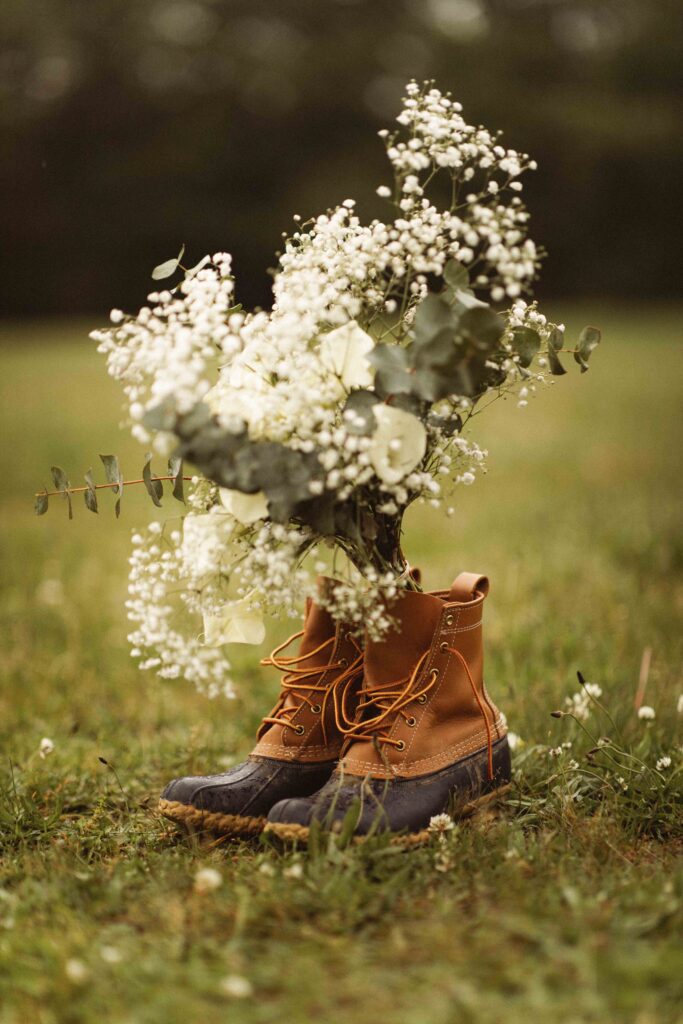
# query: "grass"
x,y
566,906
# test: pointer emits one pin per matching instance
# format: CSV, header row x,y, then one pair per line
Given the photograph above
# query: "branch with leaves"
x,y
115,482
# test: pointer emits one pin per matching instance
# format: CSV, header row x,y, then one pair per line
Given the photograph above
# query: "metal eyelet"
x,y
449,620
299,730
422,699
400,745
412,721
316,709
343,662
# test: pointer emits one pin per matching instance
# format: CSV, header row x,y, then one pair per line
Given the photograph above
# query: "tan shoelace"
x,y
295,683
393,698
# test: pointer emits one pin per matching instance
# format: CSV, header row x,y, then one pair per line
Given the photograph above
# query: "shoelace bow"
x,y
295,683
392,699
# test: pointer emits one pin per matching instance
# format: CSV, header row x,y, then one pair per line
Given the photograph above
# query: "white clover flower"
x,y
207,880
344,352
236,622
514,741
237,987
439,824
46,747
76,971
663,762
646,713
246,508
398,444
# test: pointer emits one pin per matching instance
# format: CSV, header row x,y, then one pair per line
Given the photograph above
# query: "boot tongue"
x,y
416,617
318,627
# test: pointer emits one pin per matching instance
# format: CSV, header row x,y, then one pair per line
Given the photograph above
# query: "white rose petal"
x,y
398,444
344,352
246,508
238,622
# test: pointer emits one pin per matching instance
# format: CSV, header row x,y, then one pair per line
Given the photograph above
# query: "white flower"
x,y
46,747
76,971
344,352
237,622
384,192
246,508
236,986
663,762
514,741
646,713
110,954
294,870
207,880
440,823
398,443
679,704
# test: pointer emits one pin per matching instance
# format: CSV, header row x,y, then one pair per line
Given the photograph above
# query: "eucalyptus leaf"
x,y
433,315
456,276
155,488
169,267
589,339
115,478
526,343
175,470
392,365
482,327
556,339
90,496
556,366
41,504
60,479
361,403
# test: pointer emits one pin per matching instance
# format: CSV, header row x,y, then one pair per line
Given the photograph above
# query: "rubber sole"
x,y
298,834
196,820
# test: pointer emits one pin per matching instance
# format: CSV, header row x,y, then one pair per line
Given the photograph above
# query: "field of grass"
x,y
567,906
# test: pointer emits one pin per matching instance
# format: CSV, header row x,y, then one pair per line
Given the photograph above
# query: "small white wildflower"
x,y
663,762
207,880
237,987
439,824
679,704
621,781
646,713
384,192
110,954
266,869
76,971
295,870
46,747
514,741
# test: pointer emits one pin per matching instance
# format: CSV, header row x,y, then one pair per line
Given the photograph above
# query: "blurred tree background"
x,y
130,126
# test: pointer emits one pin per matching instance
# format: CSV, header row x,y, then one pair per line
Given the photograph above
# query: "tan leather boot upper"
x,y
318,683
423,702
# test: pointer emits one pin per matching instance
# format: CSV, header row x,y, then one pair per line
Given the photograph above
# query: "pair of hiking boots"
x,y
388,733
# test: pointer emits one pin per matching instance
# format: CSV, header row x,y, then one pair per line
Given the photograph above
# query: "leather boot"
x,y
298,742
427,738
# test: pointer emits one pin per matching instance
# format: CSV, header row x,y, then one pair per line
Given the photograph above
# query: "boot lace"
x,y
392,698
304,683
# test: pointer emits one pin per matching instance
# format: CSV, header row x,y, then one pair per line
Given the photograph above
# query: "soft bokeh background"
x,y
131,126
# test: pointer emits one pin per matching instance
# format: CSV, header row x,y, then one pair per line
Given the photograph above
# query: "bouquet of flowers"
x,y
312,427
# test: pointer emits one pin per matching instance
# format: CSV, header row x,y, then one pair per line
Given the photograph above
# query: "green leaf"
x,y
90,496
155,488
361,402
60,479
115,478
456,276
168,267
482,327
62,484
589,339
526,343
175,469
556,339
392,364
433,315
42,501
556,366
